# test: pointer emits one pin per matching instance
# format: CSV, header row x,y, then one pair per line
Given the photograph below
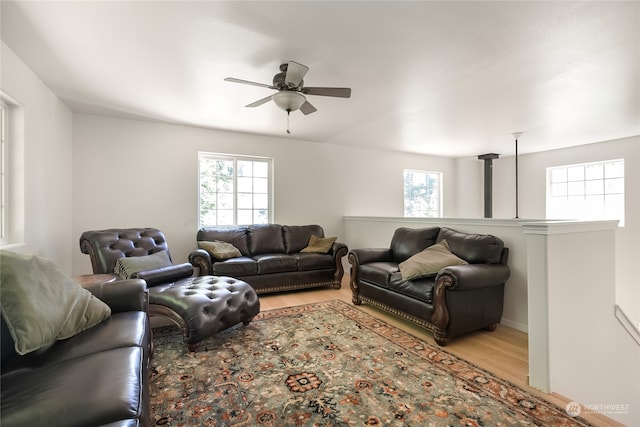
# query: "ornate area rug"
x,y
330,364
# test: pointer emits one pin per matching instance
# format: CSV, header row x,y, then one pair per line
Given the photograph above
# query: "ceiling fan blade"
x,y
247,82
340,92
295,73
307,108
260,102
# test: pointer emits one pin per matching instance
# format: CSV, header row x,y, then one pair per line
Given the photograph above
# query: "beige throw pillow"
x,y
429,261
220,250
319,245
41,304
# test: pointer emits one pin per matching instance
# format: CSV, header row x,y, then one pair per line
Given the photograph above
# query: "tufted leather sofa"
x,y
459,299
98,377
271,260
199,306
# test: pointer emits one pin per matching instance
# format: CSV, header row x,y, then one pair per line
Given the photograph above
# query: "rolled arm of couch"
x,y
122,295
338,250
165,274
473,276
365,256
202,260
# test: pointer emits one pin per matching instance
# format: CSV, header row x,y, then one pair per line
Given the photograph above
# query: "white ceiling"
x,y
442,78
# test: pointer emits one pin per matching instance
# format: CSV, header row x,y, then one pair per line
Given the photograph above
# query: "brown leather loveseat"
x,y
272,257
448,301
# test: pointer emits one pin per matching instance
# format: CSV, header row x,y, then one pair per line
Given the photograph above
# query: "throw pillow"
x,y
41,304
220,250
429,261
319,245
127,266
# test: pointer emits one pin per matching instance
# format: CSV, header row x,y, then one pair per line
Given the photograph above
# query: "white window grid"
x,y
587,191
422,193
234,189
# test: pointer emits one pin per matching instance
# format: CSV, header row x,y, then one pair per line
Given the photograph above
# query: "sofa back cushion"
x,y
296,237
474,248
265,239
407,242
236,235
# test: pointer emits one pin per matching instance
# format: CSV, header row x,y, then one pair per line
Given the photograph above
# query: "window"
x,y
3,172
588,191
422,194
234,190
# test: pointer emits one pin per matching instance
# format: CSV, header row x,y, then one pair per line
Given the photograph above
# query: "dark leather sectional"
x,y
98,377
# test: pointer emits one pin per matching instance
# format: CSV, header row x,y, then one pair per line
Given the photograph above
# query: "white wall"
x,y
45,166
532,203
134,173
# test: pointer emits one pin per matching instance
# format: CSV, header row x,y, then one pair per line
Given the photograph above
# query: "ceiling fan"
x,y
291,90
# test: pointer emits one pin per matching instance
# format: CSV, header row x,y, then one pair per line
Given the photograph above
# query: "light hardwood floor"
x,y
503,352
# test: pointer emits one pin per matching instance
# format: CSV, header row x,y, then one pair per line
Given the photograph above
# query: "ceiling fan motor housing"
x,y
280,84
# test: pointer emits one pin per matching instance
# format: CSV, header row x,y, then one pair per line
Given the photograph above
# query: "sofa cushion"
x,y
429,261
41,304
265,239
319,245
241,266
120,330
474,248
236,235
276,263
420,289
407,242
377,273
126,267
220,250
313,261
92,390
296,237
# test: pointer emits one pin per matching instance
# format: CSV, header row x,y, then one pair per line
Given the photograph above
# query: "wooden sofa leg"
x,y
491,327
441,341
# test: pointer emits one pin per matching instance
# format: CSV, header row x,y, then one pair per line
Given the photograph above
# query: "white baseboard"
x,y
515,325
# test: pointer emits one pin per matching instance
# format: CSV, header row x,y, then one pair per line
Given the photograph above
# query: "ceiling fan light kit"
x,y
290,87
289,100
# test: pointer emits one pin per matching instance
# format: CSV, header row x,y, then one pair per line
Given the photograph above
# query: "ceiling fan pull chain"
x,y
288,116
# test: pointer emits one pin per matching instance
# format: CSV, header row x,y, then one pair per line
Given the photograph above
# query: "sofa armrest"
x,y
165,274
338,250
365,256
474,276
202,260
122,295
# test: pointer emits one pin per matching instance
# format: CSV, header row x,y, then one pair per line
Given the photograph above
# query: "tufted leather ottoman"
x,y
202,306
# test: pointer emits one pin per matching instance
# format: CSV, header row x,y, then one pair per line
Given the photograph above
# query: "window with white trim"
x,y
586,191
234,190
422,194
4,111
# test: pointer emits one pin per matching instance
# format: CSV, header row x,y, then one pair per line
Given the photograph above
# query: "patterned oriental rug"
x,y
330,364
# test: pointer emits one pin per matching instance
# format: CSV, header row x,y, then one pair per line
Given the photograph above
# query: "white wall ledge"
x,y
567,227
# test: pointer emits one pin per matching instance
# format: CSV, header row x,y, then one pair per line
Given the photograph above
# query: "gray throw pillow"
x,y
429,261
41,304
127,266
